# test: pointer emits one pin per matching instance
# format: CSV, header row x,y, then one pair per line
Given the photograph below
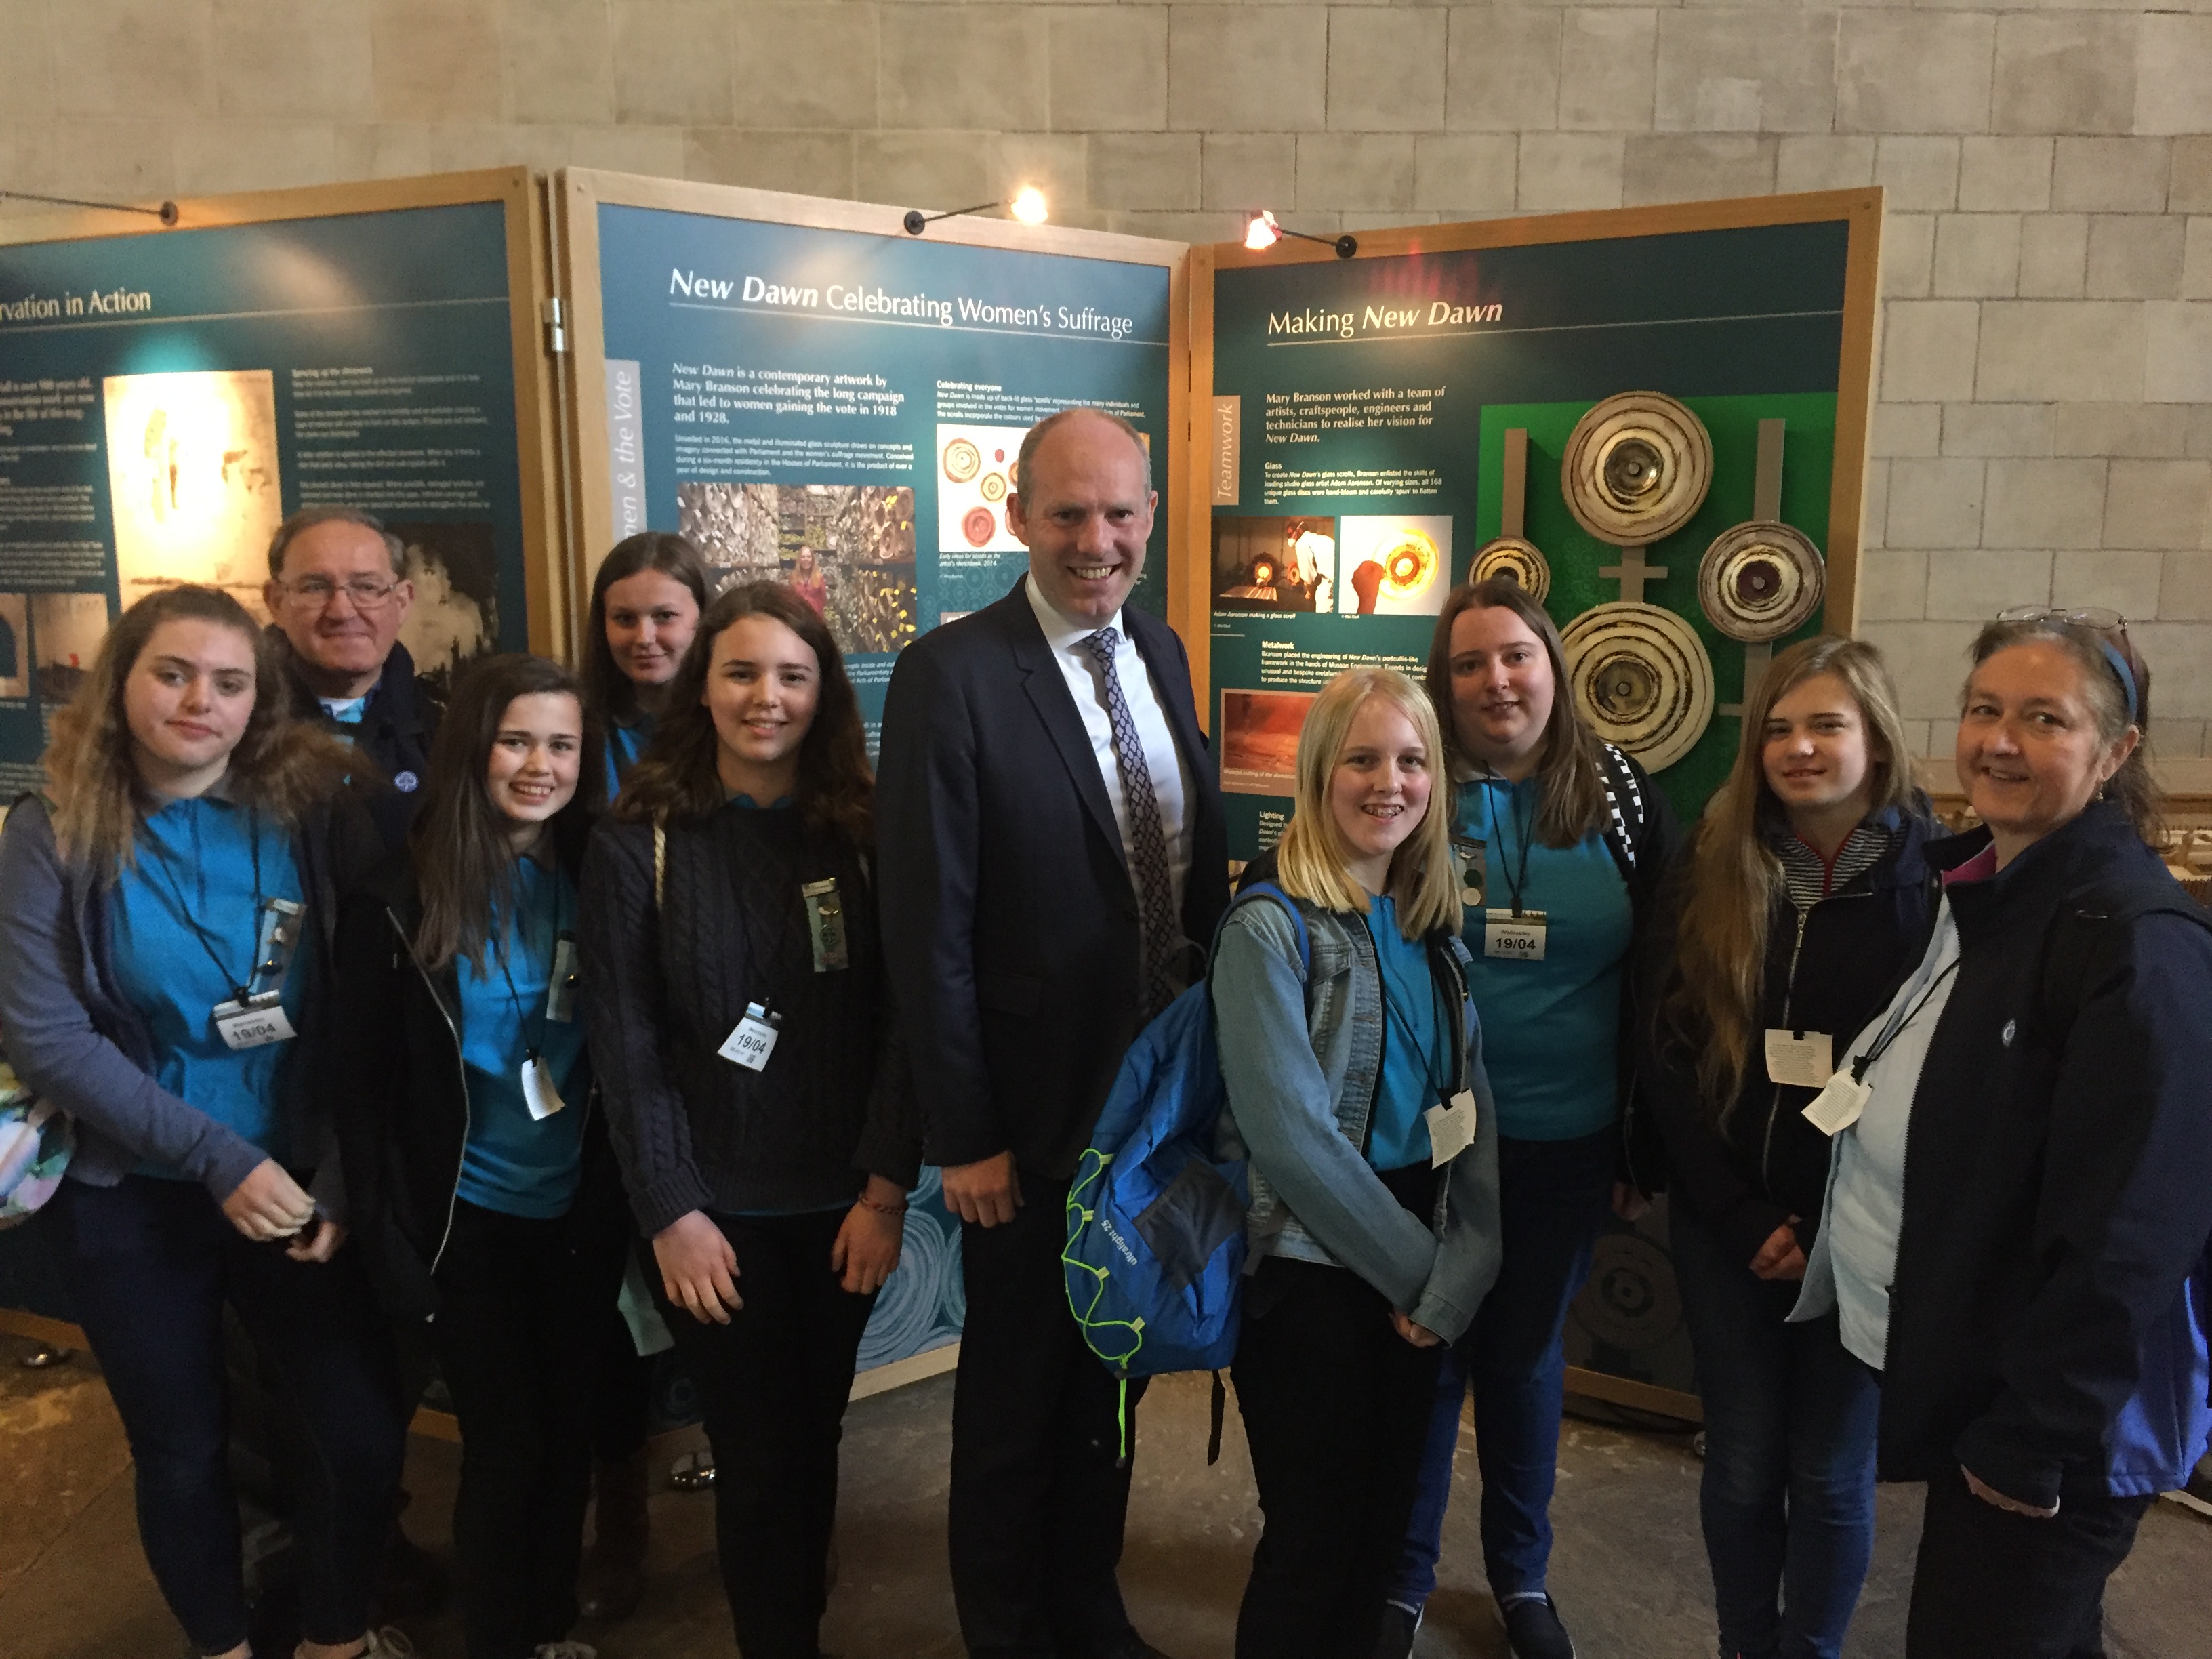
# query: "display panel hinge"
x,y
557,328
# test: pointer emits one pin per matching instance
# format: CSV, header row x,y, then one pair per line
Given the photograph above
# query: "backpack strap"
x,y
659,859
1298,920
1624,800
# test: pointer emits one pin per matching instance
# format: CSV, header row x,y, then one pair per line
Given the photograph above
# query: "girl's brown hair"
x,y
2132,786
678,777
607,690
281,767
465,865
1720,957
1570,776
1310,861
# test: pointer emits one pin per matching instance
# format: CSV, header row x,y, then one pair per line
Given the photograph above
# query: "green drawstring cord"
x,y
1123,1411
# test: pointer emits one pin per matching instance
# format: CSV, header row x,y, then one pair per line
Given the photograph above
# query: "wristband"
x,y
865,1202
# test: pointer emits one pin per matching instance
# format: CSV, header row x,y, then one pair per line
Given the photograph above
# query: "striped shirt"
x,y
1811,877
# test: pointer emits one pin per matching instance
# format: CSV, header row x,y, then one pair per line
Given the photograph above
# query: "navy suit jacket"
x,y
1010,919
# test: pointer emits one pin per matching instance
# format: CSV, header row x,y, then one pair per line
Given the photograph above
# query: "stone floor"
x,y
1629,1572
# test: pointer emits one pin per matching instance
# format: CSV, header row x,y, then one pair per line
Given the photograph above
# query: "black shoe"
x,y
1532,1629
1400,1625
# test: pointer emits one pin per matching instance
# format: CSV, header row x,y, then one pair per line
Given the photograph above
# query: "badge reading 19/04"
x,y
1513,935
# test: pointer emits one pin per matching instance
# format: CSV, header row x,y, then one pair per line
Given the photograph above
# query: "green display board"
x,y
1360,410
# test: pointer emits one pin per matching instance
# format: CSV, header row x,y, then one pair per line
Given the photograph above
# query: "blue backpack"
x,y
1155,1253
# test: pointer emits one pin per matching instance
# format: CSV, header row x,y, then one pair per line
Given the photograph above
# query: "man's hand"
x,y
1419,1335
698,1268
268,1204
1780,1257
987,1192
867,1246
319,1245
1989,1494
1628,1203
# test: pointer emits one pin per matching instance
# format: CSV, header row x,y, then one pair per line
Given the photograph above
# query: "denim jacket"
x,y
1302,1055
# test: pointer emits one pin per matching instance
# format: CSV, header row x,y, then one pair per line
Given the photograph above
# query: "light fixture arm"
x,y
166,213
1345,246
916,219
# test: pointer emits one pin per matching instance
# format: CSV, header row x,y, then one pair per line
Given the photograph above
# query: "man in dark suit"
x,y
1053,864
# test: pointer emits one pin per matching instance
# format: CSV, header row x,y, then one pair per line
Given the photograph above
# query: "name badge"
x,y
754,1040
825,921
1451,1128
255,1022
561,990
1803,1060
1839,1103
1513,938
1471,859
537,1090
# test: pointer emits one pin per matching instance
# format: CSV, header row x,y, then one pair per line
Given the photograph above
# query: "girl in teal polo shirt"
x,y
1560,839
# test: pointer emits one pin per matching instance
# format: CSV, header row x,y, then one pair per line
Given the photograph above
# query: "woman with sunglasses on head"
x,y
743,1031
646,601
1354,1072
165,977
490,1207
1560,842
2019,1208
1804,900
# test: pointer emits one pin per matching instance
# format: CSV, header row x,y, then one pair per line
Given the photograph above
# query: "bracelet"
x,y
867,1203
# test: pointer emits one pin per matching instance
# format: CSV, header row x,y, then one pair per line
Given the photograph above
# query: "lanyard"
x,y
1392,1011
184,911
1516,881
1897,1022
533,1042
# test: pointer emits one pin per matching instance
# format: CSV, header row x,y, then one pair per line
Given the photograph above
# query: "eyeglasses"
x,y
366,592
2091,616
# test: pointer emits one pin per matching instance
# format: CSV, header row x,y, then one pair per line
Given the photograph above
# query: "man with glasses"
x,y
338,595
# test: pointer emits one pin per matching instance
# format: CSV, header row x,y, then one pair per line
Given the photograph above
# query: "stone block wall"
x,y
2045,421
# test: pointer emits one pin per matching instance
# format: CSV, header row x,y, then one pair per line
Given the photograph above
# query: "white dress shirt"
x,y
1171,778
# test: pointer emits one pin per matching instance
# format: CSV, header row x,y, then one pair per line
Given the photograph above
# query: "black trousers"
x,y
1990,1584
1039,1489
773,1384
519,1306
149,1265
1336,1407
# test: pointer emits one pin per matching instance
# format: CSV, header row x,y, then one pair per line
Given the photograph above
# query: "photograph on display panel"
x,y
14,644
847,549
1275,564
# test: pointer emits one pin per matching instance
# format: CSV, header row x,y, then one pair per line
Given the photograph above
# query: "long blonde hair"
x,y
1312,862
281,767
1720,956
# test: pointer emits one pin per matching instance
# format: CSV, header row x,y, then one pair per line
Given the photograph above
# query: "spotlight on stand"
x,y
1026,204
1262,233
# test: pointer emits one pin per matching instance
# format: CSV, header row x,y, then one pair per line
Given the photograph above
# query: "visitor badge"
x,y
1471,859
1803,1060
754,1040
252,1022
1451,1128
537,1090
1514,935
1839,1103
561,990
825,921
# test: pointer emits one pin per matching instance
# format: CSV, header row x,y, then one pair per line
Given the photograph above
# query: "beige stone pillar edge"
x,y
528,273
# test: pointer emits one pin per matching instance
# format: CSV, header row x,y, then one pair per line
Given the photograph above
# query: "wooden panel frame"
x,y
1861,210
546,582
578,193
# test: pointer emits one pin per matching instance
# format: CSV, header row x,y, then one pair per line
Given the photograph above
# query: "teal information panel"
x,y
1372,401
166,399
841,411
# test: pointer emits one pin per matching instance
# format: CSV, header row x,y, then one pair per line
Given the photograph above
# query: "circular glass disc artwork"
x,y
1758,581
1637,468
1641,679
1516,561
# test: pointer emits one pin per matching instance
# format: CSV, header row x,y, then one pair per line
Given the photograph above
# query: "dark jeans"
x,y
518,1307
1552,1197
1787,1494
1336,1408
1040,1491
1990,1584
773,1384
149,1265
622,1393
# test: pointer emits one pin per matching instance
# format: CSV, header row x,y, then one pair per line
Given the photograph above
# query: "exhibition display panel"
x,y
168,395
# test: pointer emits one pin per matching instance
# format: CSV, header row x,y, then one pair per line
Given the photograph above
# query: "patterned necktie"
x,y
1148,846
